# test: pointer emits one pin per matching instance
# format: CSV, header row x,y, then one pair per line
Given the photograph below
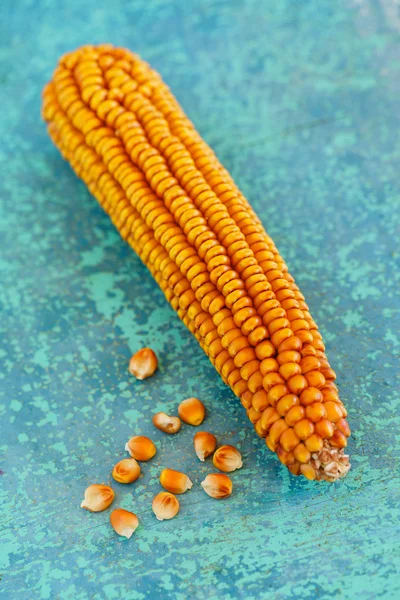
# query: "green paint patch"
x,y
15,405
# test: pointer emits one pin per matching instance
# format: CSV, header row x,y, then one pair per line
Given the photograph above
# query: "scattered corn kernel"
x,y
227,458
140,448
98,497
124,522
192,411
126,470
217,485
143,363
166,423
165,506
175,481
204,444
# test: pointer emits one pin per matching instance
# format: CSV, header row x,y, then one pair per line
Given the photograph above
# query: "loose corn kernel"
x,y
166,423
126,471
140,448
143,363
165,506
227,459
217,485
98,497
204,444
175,481
192,411
124,522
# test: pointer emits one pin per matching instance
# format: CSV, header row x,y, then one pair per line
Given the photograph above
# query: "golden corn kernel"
x,y
227,459
140,448
333,411
192,411
143,363
304,428
165,506
126,471
314,443
301,453
124,522
308,471
343,426
98,497
166,423
175,481
315,412
324,428
217,485
204,444
288,440
338,439
295,414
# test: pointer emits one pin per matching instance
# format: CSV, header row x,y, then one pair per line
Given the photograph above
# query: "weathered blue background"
x,y
300,100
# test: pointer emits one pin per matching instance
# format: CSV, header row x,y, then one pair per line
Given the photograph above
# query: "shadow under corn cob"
x,y
125,135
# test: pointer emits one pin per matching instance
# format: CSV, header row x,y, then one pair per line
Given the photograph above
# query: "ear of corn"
x,y
126,136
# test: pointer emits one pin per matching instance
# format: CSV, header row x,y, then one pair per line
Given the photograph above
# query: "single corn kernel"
x,y
314,443
126,470
338,439
175,481
324,428
140,448
315,411
344,427
166,423
227,459
143,363
204,444
124,522
217,485
98,497
192,411
288,440
165,506
302,454
333,411
304,428
308,472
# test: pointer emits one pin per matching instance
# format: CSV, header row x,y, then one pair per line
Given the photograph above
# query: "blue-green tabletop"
x,y
300,101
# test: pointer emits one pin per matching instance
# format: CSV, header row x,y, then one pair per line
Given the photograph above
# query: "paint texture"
x,y
300,102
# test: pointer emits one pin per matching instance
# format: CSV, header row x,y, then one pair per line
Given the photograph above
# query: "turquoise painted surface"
x,y
300,102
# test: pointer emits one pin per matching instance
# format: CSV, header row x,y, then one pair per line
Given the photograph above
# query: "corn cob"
x,y
125,135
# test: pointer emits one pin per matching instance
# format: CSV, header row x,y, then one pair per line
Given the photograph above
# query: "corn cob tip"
x,y
330,464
